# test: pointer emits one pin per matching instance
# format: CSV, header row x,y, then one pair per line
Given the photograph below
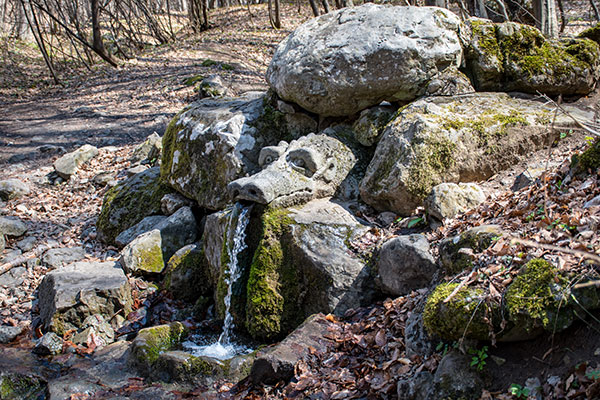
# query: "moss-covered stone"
x,y
539,297
129,202
589,160
271,280
187,275
433,156
144,254
466,315
180,366
15,386
151,342
592,33
511,56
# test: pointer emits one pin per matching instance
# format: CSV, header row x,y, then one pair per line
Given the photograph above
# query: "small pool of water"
x,y
209,346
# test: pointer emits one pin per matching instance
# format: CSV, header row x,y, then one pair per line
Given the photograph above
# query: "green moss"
x,y
168,146
486,36
537,296
151,260
208,63
590,158
200,366
271,125
272,280
15,386
477,239
227,67
151,342
465,315
592,33
433,156
192,80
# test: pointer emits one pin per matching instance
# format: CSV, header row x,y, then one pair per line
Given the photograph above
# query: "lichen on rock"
x,y
151,342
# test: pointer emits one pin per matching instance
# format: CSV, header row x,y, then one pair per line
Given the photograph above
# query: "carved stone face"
x,y
310,167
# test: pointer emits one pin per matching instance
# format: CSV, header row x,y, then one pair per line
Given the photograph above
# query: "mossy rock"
x,y
187,276
515,57
151,342
589,160
180,366
129,202
466,315
16,386
539,297
476,239
592,33
452,139
144,256
215,141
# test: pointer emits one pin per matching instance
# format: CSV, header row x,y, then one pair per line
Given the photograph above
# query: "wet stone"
x,y
49,344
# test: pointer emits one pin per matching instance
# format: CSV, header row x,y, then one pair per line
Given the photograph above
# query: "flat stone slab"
x,y
70,294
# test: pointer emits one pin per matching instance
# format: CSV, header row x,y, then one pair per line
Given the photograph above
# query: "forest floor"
x,y
108,107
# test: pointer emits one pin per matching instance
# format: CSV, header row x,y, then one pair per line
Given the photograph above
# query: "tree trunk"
x,y
546,19
97,43
315,9
436,3
325,6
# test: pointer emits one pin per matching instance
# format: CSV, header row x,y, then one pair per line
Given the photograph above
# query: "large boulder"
x,y
445,139
13,188
187,275
304,265
216,141
345,61
515,57
129,202
449,199
68,295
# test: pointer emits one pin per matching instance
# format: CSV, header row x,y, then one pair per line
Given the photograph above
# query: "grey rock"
x,y
145,225
103,178
67,165
211,144
96,329
68,295
27,243
49,344
13,189
148,150
2,242
212,86
129,202
475,239
180,366
405,264
454,378
178,230
148,252
495,59
417,387
215,230
387,218
14,277
345,61
527,178
144,254
415,336
446,200
9,333
451,139
369,125
277,362
174,201
535,388
317,271
187,276
12,226
59,257
135,170
311,167
150,342
449,82
593,202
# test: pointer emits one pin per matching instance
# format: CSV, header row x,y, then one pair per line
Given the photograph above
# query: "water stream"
x,y
225,347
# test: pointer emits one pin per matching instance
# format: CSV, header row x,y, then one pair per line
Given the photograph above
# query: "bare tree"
x,y
545,14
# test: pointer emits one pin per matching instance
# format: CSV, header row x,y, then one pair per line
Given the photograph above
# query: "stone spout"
x,y
251,189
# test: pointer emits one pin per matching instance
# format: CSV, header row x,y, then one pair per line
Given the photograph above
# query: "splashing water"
x,y
224,347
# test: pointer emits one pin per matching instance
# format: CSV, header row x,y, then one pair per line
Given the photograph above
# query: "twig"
x,y
461,285
530,243
23,258
568,114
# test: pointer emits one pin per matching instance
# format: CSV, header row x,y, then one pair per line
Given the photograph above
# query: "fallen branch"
x,y
22,259
530,243
568,114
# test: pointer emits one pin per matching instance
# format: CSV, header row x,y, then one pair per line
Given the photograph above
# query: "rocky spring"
x,y
410,211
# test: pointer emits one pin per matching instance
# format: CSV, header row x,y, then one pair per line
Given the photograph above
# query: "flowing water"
x,y
225,347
